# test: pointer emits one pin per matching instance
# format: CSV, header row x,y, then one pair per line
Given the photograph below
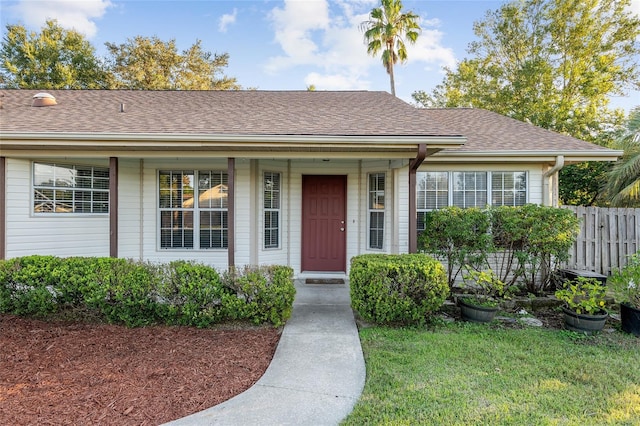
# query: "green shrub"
x,y
397,289
522,245
28,286
137,293
625,283
124,292
263,294
191,294
459,237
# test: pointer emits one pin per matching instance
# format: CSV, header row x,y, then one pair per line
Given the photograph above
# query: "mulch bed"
x,y
55,373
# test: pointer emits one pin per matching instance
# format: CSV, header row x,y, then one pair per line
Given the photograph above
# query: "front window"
x,y
435,190
469,189
508,188
376,210
181,212
59,188
271,210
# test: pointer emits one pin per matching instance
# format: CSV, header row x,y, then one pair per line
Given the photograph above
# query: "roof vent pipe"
x,y
121,107
549,198
43,99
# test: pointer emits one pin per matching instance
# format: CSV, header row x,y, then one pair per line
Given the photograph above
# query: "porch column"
x,y
413,211
3,207
231,234
113,206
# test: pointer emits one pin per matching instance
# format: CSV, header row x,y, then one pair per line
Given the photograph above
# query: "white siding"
x,y
54,234
130,208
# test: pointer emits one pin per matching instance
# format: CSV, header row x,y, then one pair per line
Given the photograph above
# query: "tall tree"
x,y
386,30
623,184
55,58
152,64
554,63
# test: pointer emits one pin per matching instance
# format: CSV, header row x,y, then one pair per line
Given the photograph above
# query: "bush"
x,y
137,293
397,289
264,294
28,286
191,294
522,244
460,237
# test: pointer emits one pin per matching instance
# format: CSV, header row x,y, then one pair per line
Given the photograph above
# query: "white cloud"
x,y
428,49
635,7
226,20
336,82
326,36
79,15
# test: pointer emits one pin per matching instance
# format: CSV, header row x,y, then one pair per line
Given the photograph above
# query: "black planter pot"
x,y
584,323
630,318
476,313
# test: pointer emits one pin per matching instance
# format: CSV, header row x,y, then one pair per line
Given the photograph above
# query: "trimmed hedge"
x,y
397,289
137,293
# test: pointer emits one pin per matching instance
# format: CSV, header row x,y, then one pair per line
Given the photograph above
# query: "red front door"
x,y
324,223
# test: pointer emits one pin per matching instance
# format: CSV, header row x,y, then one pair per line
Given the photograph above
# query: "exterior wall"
x,y
54,234
84,235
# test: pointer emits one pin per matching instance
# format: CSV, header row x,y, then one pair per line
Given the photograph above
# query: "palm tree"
x,y
386,31
623,184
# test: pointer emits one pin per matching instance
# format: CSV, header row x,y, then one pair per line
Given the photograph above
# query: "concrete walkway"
x,y
317,373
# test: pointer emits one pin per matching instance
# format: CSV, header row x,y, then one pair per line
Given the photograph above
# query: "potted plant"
x,y
584,309
624,285
484,290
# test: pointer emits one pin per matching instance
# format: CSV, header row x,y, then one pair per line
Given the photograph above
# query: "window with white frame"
x,y
376,210
61,188
508,188
271,194
468,189
193,200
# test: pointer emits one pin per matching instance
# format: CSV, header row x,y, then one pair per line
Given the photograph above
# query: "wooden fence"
x,y
607,237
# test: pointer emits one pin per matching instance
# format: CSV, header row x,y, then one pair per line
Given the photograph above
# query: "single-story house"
x,y
307,179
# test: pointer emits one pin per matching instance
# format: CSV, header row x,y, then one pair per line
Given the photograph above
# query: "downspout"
x,y
547,199
413,212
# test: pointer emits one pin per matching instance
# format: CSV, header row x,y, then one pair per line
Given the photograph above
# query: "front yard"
x,y
470,374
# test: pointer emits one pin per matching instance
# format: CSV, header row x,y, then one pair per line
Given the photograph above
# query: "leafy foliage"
x,y
152,64
397,289
138,293
386,31
458,236
623,183
522,244
55,58
552,63
583,295
625,282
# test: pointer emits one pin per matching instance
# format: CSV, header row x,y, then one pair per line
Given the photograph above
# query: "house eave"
x,y
571,156
260,145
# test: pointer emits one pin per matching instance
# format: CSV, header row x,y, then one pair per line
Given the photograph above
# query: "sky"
x,y
280,45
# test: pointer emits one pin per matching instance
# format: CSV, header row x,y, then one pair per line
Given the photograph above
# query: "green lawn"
x,y
470,374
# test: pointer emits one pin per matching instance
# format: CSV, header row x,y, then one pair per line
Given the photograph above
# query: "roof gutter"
x,y
549,198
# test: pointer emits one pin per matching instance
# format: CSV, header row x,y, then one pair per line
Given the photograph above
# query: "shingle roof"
x,y
489,131
269,114
354,113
